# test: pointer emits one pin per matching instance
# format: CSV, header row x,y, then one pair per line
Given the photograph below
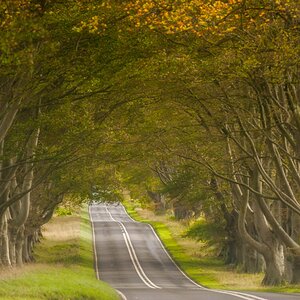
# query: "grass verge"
x,y
202,268
63,268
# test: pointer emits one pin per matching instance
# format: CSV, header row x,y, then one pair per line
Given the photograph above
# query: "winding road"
x,y
131,258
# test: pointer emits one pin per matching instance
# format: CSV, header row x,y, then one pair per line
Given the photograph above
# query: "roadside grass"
x,y
194,257
63,268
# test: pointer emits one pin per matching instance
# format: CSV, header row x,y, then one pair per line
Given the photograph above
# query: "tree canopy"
x,y
193,105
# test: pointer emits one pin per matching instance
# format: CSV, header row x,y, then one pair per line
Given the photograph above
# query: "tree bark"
x,y
19,246
20,210
296,270
4,251
267,245
8,119
274,268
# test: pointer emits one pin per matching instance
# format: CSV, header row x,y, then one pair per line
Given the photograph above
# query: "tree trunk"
x,y
181,212
296,270
230,252
231,218
20,209
253,262
25,253
274,268
29,242
4,251
159,201
8,119
13,233
19,247
264,240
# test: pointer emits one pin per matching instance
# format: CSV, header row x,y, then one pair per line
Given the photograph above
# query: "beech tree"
x,y
251,43
48,91
201,99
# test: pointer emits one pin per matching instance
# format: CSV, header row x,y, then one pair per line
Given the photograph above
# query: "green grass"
x,y
64,269
194,259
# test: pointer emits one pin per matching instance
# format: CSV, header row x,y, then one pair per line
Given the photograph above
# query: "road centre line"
x,y
110,215
136,259
232,293
133,255
134,263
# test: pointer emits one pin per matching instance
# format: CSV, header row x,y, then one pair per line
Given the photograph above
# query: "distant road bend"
x,y
131,258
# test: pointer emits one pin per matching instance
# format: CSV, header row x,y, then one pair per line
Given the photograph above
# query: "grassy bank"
x,y
194,259
63,268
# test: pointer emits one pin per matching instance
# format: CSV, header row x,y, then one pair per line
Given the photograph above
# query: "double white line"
x,y
240,295
138,268
144,277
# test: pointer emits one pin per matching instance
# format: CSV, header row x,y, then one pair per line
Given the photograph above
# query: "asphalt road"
x,y
131,258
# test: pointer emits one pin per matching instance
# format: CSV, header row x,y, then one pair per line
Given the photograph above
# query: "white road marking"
x,y
237,294
110,215
151,284
122,295
94,244
134,263
249,295
232,293
168,254
133,255
136,259
128,214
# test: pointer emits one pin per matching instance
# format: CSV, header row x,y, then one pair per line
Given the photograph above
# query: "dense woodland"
x,y
192,105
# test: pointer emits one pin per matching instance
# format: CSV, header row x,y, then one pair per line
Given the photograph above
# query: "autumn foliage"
x,y
196,16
